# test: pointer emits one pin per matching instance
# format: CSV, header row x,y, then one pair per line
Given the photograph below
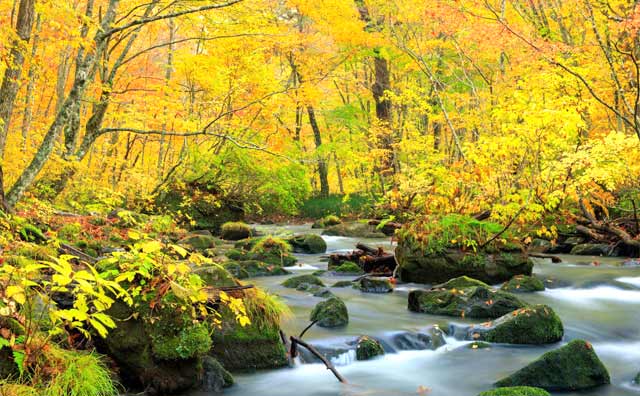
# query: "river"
x,y
597,300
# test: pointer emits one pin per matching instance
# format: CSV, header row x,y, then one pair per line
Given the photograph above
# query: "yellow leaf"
x,y
17,293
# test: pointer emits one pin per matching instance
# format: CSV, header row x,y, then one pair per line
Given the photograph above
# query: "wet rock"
x,y
368,348
319,272
354,230
253,268
575,366
473,302
327,221
592,249
323,293
215,275
420,267
539,245
479,345
431,338
523,284
573,241
460,283
344,283
198,242
214,377
309,244
534,325
516,391
374,285
296,281
235,231
348,268
330,313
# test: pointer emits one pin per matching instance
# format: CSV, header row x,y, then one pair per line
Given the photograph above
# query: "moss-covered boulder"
x,y
308,243
523,284
460,282
235,231
473,302
330,313
215,275
326,221
343,283
272,250
296,281
368,348
575,366
215,377
515,391
592,249
374,285
534,325
198,242
253,268
348,268
354,230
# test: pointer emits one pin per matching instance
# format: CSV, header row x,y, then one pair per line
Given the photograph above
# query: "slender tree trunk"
x,y
323,172
28,100
167,79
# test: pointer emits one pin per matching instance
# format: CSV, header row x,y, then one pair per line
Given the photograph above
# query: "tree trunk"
x,y
322,164
28,100
167,79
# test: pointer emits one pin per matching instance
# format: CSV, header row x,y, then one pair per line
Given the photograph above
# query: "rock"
x,y
348,268
573,367
374,285
323,293
431,338
309,244
317,291
592,249
246,244
344,283
273,251
295,281
368,348
534,325
354,230
319,272
198,242
523,284
235,231
326,221
419,267
330,313
253,268
574,241
479,345
516,391
460,283
473,302
214,376
215,275
539,245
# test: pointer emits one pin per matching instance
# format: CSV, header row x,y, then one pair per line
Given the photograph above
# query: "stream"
x,y
596,298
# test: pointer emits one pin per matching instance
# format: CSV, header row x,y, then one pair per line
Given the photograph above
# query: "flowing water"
x,y
596,298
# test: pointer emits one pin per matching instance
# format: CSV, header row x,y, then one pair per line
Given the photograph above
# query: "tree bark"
x,y
323,172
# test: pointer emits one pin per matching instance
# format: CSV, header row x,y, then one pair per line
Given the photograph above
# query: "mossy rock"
x,y
319,273
348,268
330,313
515,391
534,325
273,251
343,283
592,249
187,343
198,242
253,268
460,282
523,284
308,243
326,221
215,377
354,230
573,367
472,302
374,285
295,281
478,345
418,266
368,348
246,244
235,231
215,275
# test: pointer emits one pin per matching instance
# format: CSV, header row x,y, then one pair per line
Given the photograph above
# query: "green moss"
x,y
353,230
516,391
330,313
70,232
523,284
473,302
319,273
273,251
460,283
187,343
535,325
349,267
198,242
309,244
368,348
573,367
374,285
342,284
235,254
253,268
215,275
246,244
295,281
235,231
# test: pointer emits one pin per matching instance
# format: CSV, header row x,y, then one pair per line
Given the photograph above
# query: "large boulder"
x,y
419,266
523,284
472,302
214,376
326,221
309,244
592,249
215,275
535,325
296,281
374,285
253,268
573,367
198,242
460,282
515,391
354,230
330,313
368,348
235,231
348,268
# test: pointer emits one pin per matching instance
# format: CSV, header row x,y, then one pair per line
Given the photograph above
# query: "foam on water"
x,y
600,293
301,267
630,280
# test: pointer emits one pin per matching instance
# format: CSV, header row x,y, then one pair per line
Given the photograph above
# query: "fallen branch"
x,y
295,341
554,259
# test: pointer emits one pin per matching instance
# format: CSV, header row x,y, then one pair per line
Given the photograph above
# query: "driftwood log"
x,y
368,258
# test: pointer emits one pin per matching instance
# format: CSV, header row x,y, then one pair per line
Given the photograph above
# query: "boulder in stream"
x,y
460,282
235,231
368,348
330,313
354,230
296,281
214,376
308,243
592,249
253,268
572,367
523,284
534,325
472,302
515,391
348,268
343,283
374,285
